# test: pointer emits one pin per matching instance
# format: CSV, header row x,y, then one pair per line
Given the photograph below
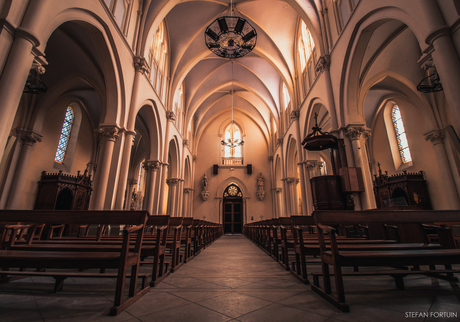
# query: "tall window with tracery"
x,y
233,131
157,59
401,137
65,135
307,56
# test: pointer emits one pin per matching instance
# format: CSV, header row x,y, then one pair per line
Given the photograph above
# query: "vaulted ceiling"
x,y
207,78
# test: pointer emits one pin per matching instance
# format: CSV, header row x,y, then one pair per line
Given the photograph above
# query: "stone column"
x,y
151,170
124,169
292,199
323,66
161,185
188,193
180,198
367,198
447,64
279,202
311,168
172,196
450,190
9,173
28,139
107,136
12,80
295,118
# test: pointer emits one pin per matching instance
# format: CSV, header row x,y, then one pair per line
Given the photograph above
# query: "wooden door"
x,y
233,216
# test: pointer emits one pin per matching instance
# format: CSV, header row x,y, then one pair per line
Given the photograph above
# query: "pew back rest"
x,y
97,217
353,217
396,217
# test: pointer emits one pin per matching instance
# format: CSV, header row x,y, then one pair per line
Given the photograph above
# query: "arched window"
x,y
400,132
307,56
232,155
286,97
233,131
65,135
306,46
157,59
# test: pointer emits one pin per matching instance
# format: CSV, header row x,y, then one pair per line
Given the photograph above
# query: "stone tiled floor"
x,y
232,280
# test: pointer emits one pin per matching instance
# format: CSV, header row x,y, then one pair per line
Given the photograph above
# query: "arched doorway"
x,y
233,210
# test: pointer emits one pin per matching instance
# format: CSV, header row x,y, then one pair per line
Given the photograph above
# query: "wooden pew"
x,y
126,257
394,262
174,242
286,242
187,239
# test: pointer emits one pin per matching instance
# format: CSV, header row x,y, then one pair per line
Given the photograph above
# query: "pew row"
x,y
125,257
394,262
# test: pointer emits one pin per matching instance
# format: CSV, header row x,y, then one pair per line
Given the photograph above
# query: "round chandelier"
x,y
230,36
232,142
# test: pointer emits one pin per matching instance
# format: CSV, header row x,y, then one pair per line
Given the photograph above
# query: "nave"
x,y
231,280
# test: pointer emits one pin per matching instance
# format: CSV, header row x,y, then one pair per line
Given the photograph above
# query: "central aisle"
x,y
231,280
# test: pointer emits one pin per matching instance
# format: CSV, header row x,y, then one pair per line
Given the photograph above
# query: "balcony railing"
x,y
232,161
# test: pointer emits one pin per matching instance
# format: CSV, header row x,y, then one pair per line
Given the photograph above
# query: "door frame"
x,y
233,201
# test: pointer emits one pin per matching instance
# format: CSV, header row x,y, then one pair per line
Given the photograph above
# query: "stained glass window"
x,y
403,144
65,135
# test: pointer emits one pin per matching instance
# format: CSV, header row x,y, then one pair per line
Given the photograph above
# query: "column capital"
x,y
188,190
170,116
23,33
108,132
172,181
440,32
278,190
279,142
323,64
141,65
151,165
354,132
436,136
295,115
128,132
270,158
310,165
29,137
291,180
132,182
185,142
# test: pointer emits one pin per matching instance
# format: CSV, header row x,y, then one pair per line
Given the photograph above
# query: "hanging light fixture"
x,y
231,142
230,36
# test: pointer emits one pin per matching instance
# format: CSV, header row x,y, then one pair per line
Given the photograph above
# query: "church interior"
x,y
236,114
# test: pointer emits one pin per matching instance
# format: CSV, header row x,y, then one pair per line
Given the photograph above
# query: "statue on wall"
x,y
136,200
204,191
260,187
205,182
